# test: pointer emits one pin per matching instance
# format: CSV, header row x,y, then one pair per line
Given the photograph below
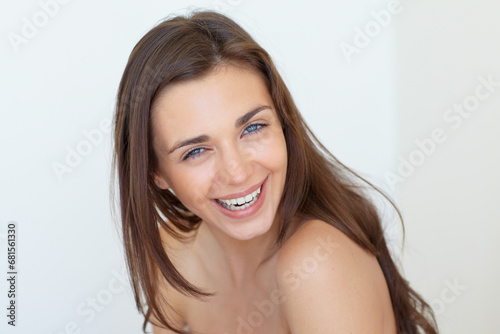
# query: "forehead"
x,y
205,104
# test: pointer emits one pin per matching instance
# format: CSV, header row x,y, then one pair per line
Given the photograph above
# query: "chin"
x,y
244,231
252,232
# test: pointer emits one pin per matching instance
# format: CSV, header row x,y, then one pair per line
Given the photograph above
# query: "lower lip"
x,y
238,214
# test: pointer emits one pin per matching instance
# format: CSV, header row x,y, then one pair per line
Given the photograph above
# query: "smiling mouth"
x,y
240,203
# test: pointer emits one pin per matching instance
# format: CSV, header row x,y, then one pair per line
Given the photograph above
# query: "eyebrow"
x,y
248,116
204,138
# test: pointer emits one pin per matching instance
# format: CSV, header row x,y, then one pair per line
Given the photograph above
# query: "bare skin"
x,y
219,138
276,298
229,310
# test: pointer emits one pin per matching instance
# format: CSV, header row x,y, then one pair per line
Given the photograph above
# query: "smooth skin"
x,y
220,135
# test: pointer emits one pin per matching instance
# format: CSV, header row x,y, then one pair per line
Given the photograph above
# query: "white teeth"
x,y
242,202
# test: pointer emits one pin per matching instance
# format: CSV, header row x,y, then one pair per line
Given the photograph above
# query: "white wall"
x,y
62,82
451,199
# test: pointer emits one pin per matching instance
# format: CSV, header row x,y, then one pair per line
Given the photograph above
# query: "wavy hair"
x,y
317,185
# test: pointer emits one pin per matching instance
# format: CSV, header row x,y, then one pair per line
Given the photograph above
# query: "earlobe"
x,y
161,182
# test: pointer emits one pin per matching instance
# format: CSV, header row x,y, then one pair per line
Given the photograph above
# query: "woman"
x,y
235,218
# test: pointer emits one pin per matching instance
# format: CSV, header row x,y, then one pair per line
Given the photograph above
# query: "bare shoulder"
x,y
331,284
321,241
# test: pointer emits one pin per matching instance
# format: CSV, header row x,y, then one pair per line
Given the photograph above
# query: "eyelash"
x,y
260,126
190,155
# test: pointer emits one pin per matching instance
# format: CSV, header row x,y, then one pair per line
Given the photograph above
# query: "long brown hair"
x,y
317,185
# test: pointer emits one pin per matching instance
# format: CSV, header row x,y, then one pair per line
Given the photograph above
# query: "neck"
x,y
242,259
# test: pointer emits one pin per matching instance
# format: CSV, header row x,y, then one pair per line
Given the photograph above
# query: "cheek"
x,y
273,152
191,187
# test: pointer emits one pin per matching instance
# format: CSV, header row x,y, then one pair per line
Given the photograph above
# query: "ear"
x,y
161,182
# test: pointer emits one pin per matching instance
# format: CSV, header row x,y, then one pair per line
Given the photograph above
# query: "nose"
x,y
235,166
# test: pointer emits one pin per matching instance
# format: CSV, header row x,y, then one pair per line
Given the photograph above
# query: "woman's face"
x,y
221,149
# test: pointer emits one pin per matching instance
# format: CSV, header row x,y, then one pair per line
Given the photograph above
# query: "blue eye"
x,y
253,128
194,153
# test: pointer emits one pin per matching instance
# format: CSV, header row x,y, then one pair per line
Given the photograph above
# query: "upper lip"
x,y
243,193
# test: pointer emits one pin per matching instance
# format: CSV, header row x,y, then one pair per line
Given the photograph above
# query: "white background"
x,y
369,109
